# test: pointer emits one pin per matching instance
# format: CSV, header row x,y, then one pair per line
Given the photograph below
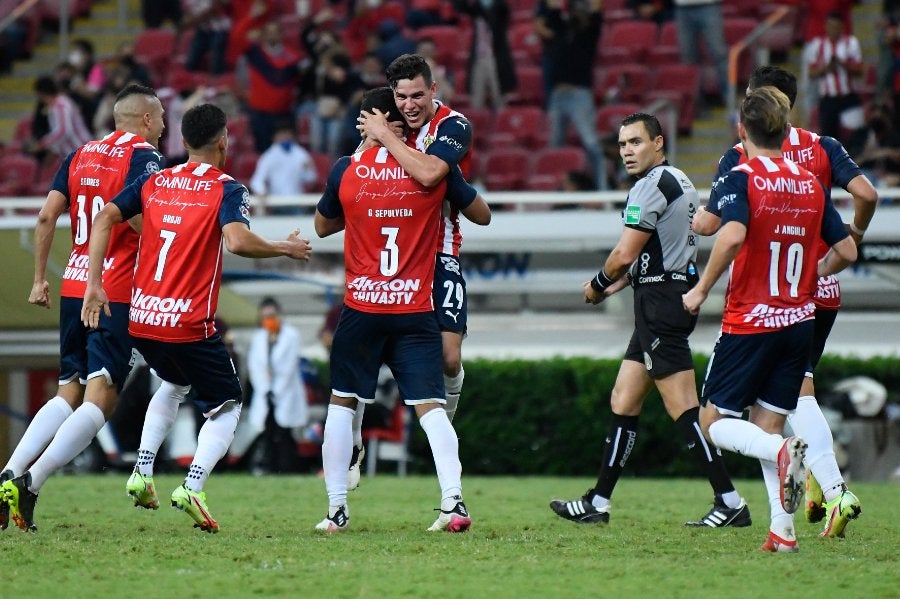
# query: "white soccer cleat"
x,y
455,519
337,520
790,473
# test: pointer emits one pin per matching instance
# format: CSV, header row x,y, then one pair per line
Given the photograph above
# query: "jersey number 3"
x,y
390,255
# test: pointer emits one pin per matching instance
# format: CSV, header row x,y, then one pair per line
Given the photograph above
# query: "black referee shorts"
x,y
661,329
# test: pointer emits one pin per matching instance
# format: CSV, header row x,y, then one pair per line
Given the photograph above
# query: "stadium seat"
x,y
737,28
323,162
19,173
530,87
525,44
155,48
628,82
22,133
449,41
626,41
682,79
616,10
243,166
742,8
666,49
482,120
521,11
505,169
43,179
520,125
391,443
239,134
609,118
552,164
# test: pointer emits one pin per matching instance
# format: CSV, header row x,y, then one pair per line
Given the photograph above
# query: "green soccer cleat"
x,y
840,510
141,489
194,504
4,505
814,499
21,501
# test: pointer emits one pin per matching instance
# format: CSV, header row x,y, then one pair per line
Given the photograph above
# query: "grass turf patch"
x,y
92,543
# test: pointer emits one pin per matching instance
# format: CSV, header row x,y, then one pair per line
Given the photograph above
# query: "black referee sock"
x,y
619,443
707,455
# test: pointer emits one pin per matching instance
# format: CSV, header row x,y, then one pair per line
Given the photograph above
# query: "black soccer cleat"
x,y
581,511
720,516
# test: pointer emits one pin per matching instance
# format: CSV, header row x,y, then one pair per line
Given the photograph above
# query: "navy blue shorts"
x,y
824,323
764,368
85,353
450,303
661,329
410,344
204,365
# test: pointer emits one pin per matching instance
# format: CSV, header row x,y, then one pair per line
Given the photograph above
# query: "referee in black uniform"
x,y
656,255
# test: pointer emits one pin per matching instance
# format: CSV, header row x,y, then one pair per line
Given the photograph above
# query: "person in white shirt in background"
x,y
278,404
285,169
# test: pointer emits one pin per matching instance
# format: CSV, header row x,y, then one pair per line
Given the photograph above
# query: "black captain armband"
x,y
601,282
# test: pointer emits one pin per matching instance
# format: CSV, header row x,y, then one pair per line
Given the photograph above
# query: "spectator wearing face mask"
x,y
285,169
278,403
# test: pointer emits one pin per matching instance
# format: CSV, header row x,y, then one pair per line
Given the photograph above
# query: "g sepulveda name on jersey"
x,y
179,267
825,158
89,178
448,135
391,223
773,277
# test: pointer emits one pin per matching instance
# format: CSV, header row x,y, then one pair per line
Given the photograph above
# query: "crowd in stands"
x,y
544,82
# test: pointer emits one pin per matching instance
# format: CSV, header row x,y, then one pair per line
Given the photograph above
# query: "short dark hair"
x,y
135,89
382,98
202,125
408,66
651,123
46,85
764,115
270,302
782,80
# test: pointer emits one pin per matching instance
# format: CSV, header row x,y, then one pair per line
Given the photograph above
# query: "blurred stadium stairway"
x,y
101,27
713,131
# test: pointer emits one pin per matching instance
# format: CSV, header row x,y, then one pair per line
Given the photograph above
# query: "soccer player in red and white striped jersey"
x,y
93,364
774,214
188,210
827,159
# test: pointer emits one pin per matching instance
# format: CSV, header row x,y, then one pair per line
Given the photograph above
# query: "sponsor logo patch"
x,y
632,215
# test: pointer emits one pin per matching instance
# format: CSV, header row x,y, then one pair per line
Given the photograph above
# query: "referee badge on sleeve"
x,y
632,215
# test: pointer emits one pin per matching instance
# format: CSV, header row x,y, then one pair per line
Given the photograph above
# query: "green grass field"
x,y
93,543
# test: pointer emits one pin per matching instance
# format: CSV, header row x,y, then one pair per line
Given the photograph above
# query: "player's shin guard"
x,y
337,449
39,433
213,440
445,448
452,390
73,437
808,422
